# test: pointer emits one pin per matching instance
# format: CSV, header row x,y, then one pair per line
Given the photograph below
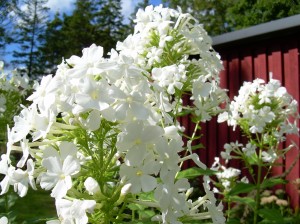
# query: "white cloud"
x,y
128,8
60,5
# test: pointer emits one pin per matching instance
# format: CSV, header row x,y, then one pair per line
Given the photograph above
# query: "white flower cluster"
x,y
259,105
103,132
163,42
266,113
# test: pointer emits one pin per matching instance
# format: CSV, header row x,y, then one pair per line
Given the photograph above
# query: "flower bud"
x,y
91,185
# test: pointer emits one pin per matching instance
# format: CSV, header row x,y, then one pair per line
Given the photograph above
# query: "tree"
x,y
52,47
221,16
67,35
6,6
77,30
109,23
92,21
29,31
211,13
246,13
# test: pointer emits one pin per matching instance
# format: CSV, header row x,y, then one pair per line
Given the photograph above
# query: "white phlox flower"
x,y
249,149
92,122
33,122
139,173
226,175
74,211
91,95
168,154
170,76
8,170
45,94
269,156
60,167
24,178
4,220
154,55
138,134
171,197
88,64
210,203
127,106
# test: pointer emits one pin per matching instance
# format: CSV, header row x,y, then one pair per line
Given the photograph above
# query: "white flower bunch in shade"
x,y
261,106
14,88
102,134
266,113
3,220
226,176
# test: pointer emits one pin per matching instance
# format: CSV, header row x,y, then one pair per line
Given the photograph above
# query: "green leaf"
x,y
241,188
233,221
244,200
271,215
193,172
136,207
199,146
272,182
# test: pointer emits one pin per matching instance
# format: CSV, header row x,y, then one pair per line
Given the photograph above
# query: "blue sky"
x,y
68,5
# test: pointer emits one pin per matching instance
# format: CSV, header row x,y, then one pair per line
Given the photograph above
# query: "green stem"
x,y
257,198
228,209
186,152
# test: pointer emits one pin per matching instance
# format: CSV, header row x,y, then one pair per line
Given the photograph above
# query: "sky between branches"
x,y
68,5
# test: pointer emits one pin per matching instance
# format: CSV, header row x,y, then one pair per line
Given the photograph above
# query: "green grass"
x,y
35,207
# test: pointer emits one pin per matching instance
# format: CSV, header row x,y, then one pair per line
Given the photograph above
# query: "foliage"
x,y
221,16
248,13
103,133
19,210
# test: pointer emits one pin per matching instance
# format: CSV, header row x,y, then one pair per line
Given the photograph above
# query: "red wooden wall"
x,y
246,61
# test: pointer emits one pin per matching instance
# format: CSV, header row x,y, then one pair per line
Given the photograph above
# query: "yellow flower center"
x,y
94,95
139,173
138,141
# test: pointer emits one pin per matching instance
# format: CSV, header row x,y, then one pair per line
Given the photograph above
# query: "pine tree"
x,y
52,47
92,21
6,6
29,32
109,23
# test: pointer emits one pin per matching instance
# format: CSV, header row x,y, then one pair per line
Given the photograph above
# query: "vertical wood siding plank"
x,y
234,86
223,129
246,65
260,63
275,67
291,77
